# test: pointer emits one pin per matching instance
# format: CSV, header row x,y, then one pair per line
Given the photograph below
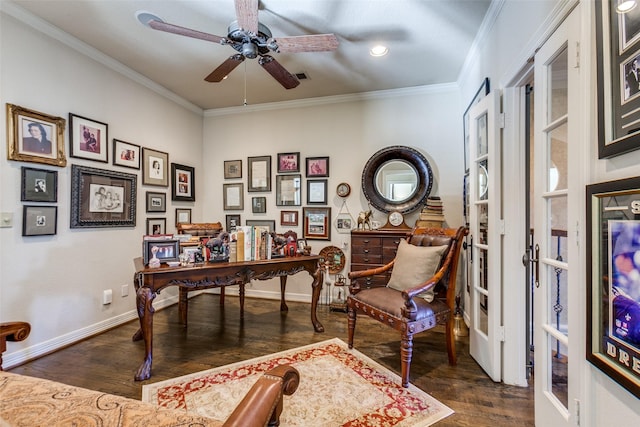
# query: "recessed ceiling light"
x,y
625,6
379,50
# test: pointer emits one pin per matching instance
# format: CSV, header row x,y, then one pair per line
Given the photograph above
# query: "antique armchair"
x,y
420,292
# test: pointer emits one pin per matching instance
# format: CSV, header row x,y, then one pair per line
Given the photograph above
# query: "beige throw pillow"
x,y
414,265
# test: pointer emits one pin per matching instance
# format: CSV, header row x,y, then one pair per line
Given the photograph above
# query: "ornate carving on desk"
x,y
238,278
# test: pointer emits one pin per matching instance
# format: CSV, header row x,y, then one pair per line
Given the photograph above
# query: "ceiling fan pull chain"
x,y
245,84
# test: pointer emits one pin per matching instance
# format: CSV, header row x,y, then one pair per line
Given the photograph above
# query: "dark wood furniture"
x,y
372,249
12,331
404,310
149,281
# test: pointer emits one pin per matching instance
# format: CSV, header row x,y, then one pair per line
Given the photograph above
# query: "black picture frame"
x,y
156,226
169,250
317,167
88,139
38,185
232,221
232,169
317,191
316,223
39,220
289,190
289,162
259,174
87,211
156,202
613,237
155,167
183,183
618,102
259,205
483,90
126,154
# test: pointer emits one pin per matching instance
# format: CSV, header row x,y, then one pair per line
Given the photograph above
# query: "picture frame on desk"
x,y
168,250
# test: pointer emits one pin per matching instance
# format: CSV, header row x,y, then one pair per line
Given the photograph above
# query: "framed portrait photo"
x,y
288,162
39,220
344,223
126,154
35,137
259,173
317,223
289,218
38,185
317,167
155,166
316,191
183,186
233,196
183,216
289,190
102,198
156,226
156,202
88,139
232,169
233,221
613,293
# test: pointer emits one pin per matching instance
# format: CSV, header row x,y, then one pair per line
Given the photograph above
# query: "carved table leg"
x,y
318,278
241,292
283,288
183,306
144,300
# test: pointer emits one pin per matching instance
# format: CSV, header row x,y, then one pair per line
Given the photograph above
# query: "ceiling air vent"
x,y
302,76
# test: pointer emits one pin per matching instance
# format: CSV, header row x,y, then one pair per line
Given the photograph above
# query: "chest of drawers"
x,y
371,249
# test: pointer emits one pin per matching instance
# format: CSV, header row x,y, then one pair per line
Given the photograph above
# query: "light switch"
x,y
6,219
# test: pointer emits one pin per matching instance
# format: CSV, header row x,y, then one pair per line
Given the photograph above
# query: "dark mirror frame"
x,y
409,155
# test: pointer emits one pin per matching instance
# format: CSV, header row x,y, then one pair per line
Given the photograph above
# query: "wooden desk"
x,y
150,281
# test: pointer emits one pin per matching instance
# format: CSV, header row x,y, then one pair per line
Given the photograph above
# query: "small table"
x,y
150,281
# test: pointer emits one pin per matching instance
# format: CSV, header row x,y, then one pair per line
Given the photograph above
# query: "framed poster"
x,y
126,154
480,93
613,286
183,187
39,220
288,162
155,166
233,197
88,139
232,169
102,198
288,190
317,167
35,137
38,185
618,79
156,202
259,173
317,223
316,191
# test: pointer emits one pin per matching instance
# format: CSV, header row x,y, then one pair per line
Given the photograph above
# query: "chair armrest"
x,y
262,405
370,272
12,331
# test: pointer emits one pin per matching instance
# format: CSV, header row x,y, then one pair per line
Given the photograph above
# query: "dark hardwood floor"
x,y
217,337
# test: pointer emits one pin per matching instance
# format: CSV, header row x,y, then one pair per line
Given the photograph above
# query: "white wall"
x,y
56,282
348,130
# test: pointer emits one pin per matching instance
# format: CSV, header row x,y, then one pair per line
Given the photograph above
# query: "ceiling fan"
x,y
251,39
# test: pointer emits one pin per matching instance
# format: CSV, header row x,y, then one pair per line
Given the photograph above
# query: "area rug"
x,y
338,387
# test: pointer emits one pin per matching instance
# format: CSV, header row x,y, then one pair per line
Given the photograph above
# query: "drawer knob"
x,y
366,251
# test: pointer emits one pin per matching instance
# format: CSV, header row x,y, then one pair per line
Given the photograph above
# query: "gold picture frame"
x,y
21,122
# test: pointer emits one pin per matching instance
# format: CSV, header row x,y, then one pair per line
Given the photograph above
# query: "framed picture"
x,y
190,253
165,250
232,169
259,204
155,165
183,216
102,198
183,186
288,162
39,220
316,191
38,185
156,226
259,173
126,154
317,167
302,243
233,221
344,223
88,139
233,195
156,202
613,295
35,137
267,223
618,77
289,218
317,223
288,190
481,93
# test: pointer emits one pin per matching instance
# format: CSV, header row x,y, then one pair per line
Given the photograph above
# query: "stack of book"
x,y
253,243
432,214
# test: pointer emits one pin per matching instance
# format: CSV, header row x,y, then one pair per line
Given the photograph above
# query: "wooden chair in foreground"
x,y
12,331
420,293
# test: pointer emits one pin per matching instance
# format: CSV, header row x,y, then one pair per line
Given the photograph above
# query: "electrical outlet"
x,y
6,219
125,290
107,296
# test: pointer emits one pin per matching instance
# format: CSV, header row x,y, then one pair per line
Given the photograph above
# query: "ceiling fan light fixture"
x,y
625,6
249,50
379,50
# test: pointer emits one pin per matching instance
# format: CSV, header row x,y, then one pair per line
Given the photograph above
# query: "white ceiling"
x,y
428,41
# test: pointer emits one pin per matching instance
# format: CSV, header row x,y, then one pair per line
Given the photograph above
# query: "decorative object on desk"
x,y
317,223
334,258
38,185
233,196
154,262
102,198
167,250
302,245
126,154
316,191
232,169
183,183
288,190
317,167
218,247
432,214
288,162
259,173
155,167
173,263
343,189
364,220
35,137
156,226
88,139
156,202
39,220
395,221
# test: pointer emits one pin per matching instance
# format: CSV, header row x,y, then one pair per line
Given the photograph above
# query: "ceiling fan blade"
x,y
176,29
310,43
278,72
225,68
247,14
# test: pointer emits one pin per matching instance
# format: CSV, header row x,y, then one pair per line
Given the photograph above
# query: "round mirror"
x,y
397,178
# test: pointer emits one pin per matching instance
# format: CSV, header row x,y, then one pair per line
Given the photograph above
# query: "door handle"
x,y
536,262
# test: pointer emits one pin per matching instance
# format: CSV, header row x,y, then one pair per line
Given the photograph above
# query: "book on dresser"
x,y
374,248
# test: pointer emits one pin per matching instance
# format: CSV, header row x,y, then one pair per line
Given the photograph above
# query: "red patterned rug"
x,y
338,387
